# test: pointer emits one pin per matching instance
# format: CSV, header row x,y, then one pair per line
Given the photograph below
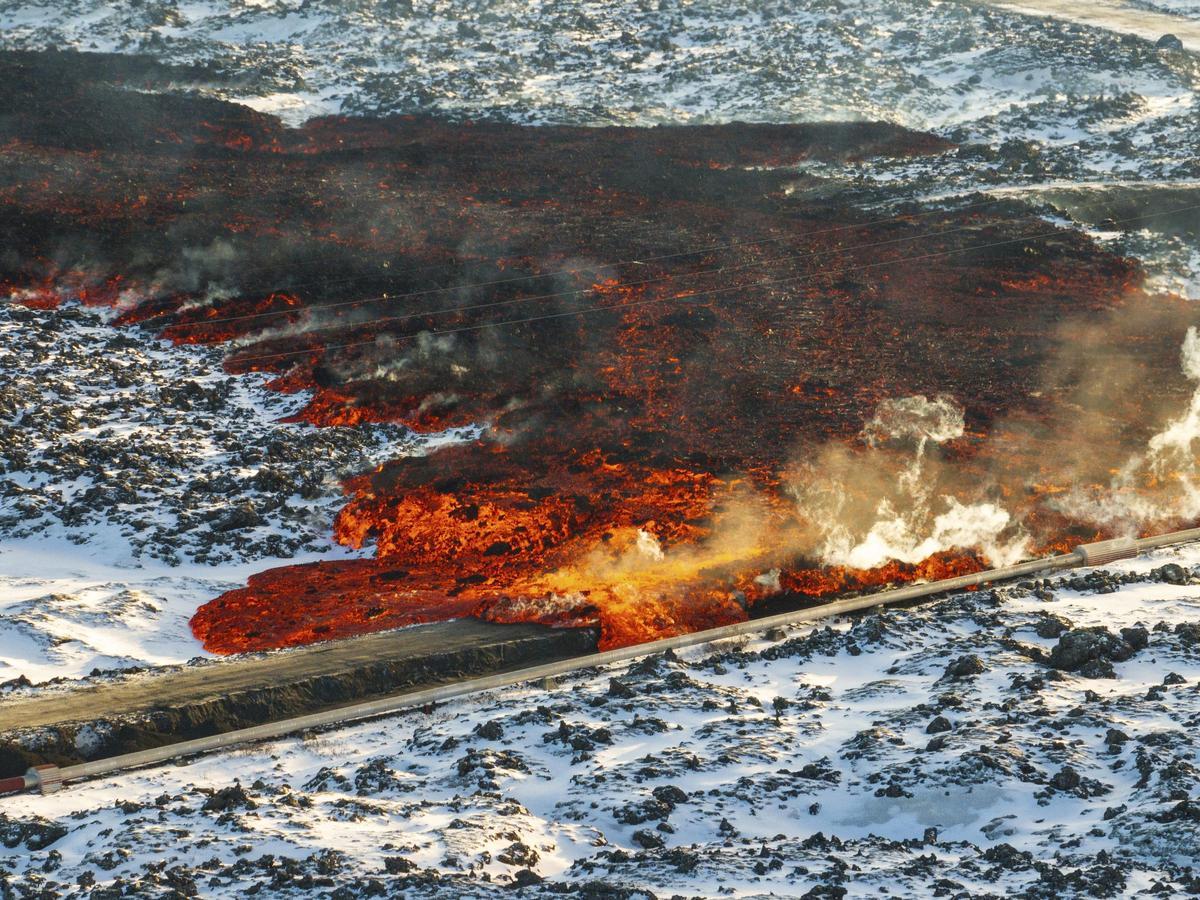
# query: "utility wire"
x,y
716,270
642,260
707,293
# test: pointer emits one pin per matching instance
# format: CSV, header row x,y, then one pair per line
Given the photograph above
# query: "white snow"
x,y
841,753
107,544
924,64
66,609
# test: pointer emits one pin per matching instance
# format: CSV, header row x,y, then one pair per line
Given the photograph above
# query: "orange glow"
x,y
651,331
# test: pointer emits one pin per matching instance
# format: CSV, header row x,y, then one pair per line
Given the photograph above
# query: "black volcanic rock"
x,y
965,667
1090,651
32,833
938,725
1051,626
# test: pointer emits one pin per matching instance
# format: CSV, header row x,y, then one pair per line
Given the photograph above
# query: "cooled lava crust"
x,y
653,326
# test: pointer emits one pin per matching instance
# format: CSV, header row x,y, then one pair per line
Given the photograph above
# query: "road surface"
x,y
1113,15
306,678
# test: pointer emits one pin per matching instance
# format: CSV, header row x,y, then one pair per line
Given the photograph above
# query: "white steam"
x,y
1160,484
915,534
649,546
207,272
889,504
915,418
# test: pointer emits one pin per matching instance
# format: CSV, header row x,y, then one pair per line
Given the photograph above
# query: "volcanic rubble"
x,y
1088,99
103,431
1038,741
130,470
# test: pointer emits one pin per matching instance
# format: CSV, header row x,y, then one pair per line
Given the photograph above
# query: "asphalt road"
x,y
1113,15
407,656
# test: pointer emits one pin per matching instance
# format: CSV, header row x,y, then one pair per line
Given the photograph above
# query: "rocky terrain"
x,y
930,64
1035,741
1038,740
103,433
139,480
1033,98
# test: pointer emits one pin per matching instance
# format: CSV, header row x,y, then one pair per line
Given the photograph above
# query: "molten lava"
x,y
653,330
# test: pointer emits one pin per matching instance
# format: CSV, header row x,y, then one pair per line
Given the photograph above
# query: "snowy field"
x,y
140,481
1149,19
1037,741
922,63
1187,8
987,745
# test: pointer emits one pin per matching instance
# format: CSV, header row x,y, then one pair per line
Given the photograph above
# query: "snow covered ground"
x,y
1186,8
935,751
1149,19
1035,741
922,63
140,481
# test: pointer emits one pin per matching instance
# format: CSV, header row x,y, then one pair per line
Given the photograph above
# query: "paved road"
x,y
1114,15
430,649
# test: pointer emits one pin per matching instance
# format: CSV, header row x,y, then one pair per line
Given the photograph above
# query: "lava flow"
x,y
695,390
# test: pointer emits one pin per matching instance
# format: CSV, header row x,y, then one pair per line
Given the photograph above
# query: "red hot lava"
x,y
651,325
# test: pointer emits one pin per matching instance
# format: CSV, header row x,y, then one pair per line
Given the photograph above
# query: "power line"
x,y
712,292
716,270
576,291
642,260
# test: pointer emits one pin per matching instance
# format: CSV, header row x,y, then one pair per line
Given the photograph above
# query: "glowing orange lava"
x,y
651,326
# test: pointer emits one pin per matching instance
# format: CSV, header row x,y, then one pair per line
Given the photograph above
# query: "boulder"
x,y
1090,651
965,667
938,725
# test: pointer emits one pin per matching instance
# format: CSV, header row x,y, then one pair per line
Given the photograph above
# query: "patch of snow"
x,y
140,481
895,750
